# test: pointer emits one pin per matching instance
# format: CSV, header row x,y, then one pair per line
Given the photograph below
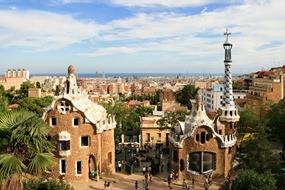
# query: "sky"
x,y
141,36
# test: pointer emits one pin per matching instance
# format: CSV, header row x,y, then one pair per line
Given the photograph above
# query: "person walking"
x,y
136,184
119,166
146,176
143,170
169,182
105,185
185,185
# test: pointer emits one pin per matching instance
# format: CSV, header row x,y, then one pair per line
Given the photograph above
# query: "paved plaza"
x,y
127,182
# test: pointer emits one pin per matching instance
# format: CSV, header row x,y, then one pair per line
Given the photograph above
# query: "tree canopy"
x,y
188,92
248,121
3,100
170,119
259,148
251,180
128,119
34,104
276,121
24,147
24,89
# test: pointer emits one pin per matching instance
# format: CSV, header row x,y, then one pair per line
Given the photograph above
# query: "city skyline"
x,y
140,36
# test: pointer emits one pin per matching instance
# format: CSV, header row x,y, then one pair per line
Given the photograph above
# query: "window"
x,y
53,121
202,162
62,166
78,166
208,137
64,107
159,137
197,137
64,145
84,141
76,122
147,137
203,137
220,131
175,155
110,157
181,165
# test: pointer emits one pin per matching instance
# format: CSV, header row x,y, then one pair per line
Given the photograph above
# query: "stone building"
x,y
22,73
83,133
9,82
168,101
213,98
152,134
203,146
267,87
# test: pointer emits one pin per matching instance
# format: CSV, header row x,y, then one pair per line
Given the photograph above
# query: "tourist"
x,y
144,170
146,176
105,185
136,184
169,181
161,168
185,185
119,166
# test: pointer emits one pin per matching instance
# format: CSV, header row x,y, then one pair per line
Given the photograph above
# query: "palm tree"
x,y
24,148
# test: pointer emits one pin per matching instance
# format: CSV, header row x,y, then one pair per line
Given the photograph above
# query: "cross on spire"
x,y
227,34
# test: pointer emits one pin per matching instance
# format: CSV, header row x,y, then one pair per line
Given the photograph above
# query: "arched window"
x,y
203,137
197,137
181,165
208,137
202,162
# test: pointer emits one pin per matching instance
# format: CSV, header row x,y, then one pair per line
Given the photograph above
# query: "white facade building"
x,y
213,98
23,73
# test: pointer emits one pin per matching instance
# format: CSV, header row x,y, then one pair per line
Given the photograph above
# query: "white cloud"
x,y
42,30
147,3
197,36
165,3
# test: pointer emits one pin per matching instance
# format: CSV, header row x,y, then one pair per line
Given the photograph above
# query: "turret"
x,y
228,111
71,82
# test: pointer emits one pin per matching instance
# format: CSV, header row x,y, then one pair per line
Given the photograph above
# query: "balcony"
x,y
258,88
64,153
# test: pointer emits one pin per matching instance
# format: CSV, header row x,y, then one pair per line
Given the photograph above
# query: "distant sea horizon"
x,y
123,75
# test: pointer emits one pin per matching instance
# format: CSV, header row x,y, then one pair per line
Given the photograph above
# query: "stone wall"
x,y
97,146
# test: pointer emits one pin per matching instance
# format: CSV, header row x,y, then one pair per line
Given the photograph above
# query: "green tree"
x,y
188,92
128,119
24,148
34,104
38,84
276,121
43,184
170,119
248,121
3,100
24,89
259,148
251,180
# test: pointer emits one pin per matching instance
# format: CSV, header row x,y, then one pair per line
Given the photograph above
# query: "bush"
x,y
251,180
42,184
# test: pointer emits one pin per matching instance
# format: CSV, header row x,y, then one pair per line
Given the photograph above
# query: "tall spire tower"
x,y
229,111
